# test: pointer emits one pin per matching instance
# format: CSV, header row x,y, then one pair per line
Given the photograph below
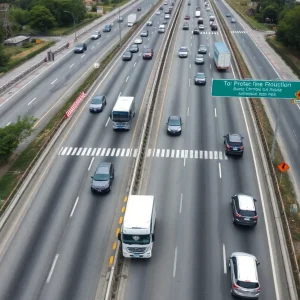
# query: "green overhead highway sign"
x,y
256,88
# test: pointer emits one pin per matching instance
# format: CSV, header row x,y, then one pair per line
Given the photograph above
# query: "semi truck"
x,y
221,56
137,232
131,20
123,113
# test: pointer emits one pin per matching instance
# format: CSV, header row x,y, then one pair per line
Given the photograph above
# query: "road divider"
x,y
113,279
276,191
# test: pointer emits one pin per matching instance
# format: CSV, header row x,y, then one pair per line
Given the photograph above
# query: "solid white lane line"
x,y
127,78
54,81
8,123
134,64
31,101
72,66
180,206
188,111
74,207
215,112
224,259
107,122
52,268
220,170
91,163
175,263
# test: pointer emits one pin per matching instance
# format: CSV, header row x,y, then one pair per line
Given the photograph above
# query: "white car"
x,y
167,16
201,27
149,23
158,12
183,52
207,8
95,35
138,41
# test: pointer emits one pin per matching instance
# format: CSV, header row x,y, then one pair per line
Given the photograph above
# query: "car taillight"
x,y
242,148
255,217
235,286
258,289
227,146
237,215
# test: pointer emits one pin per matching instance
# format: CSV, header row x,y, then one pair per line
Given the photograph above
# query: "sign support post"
x,y
276,129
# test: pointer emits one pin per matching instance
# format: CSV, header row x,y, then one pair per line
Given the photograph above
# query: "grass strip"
x,y
285,194
15,63
241,7
13,178
290,56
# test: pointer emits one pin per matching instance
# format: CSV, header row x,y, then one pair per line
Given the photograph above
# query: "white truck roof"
x,y
123,103
138,214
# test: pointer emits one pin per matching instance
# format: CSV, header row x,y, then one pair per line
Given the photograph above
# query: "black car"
x,y
185,26
103,178
244,210
196,31
174,125
107,28
80,48
139,9
214,27
127,55
134,48
200,79
200,21
97,104
233,144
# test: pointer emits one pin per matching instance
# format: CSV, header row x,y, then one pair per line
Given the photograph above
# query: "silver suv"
x,y
243,273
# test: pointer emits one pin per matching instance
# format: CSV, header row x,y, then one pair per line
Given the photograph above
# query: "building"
x,y
17,40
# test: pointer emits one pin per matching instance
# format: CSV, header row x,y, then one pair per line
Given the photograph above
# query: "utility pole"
x,y
69,12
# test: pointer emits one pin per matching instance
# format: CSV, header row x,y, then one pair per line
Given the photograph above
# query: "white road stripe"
x,y
123,152
128,152
54,81
74,151
215,154
98,152
113,152
148,152
157,152
79,151
64,151
52,268
168,153
196,154
191,153
89,151
180,206
118,152
107,152
94,151
31,101
205,155
91,163
182,153
70,150
211,155
175,263
220,170
224,259
74,206
163,153
135,152
83,152
103,151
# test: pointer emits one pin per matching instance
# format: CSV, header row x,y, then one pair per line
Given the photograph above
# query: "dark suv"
x,y
233,144
244,210
103,178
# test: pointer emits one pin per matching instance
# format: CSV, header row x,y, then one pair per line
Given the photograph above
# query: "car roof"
x,y
235,137
246,202
246,263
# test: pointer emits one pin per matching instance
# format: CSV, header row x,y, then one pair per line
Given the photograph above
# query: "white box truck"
x,y
197,12
221,56
131,20
123,113
137,232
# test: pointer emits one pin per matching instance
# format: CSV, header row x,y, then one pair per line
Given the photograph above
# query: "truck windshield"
x,y
119,116
136,239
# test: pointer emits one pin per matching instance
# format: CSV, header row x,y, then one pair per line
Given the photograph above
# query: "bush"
x,y
33,41
27,45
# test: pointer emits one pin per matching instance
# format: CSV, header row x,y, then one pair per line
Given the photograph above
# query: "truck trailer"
x,y
131,20
221,56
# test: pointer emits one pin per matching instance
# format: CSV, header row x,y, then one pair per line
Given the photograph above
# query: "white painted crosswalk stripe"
x,y
156,152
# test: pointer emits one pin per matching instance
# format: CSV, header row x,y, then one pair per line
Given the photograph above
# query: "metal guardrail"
x,y
41,62
141,155
244,72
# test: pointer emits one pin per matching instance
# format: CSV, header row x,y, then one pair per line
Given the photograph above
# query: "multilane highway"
x,y
58,249
262,68
194,231
39,96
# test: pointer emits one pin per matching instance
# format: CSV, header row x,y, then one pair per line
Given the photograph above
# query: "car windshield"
x,y
200,75
182,49
174,122
134,46
79,45
199,56
95,33
136,239
102,174
120,116
127,54
97,100
147,51
202,47
247,284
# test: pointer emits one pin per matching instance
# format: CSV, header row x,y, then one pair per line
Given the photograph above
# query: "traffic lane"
x,y
66,69
153,277
118,82
29,257
83,246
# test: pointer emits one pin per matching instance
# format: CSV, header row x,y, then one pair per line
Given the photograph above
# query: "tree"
x,y
4,57
19,15
12,135
271,12
41,18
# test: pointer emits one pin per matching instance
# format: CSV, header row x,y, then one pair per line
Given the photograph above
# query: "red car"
x,y
148,53
187,17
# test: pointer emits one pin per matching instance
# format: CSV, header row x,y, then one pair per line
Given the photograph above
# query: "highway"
x,y
194,234
261,68
39,96
60,239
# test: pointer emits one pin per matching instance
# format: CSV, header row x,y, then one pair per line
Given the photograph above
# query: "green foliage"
x,y
41,18
19,15
94,8
4,57
27,45
12,135
288,29
272,12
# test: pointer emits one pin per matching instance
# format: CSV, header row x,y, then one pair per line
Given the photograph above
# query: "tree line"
x,y
285,14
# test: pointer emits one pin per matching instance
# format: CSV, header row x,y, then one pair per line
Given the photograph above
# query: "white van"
x,y
161,28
